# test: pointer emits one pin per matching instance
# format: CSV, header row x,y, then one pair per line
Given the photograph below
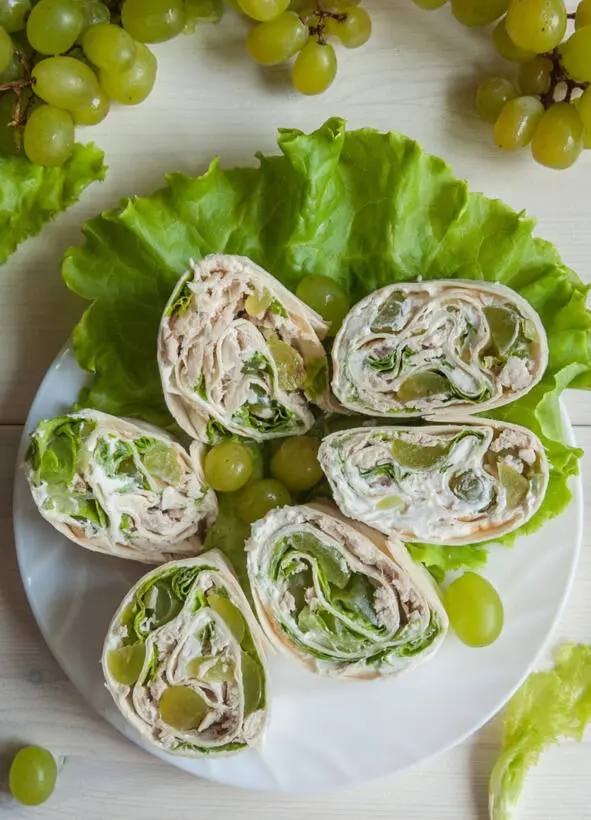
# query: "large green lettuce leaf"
x,y
362,207
31,195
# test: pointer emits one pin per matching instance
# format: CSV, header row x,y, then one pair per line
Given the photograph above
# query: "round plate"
x,y
323,734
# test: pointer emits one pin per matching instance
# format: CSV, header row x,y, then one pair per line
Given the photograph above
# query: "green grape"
x,y
13,72
252,680
13,14
537,25
228,466
478,12
161,461
8,133
93,13
295,463
430,4
314,68
291,371
503,325
109,47
575,54
559,137
153,21
49,136
54,25
326,297
273,43
506,47
202,11
256,304
126,663
584,108
333,5
263,10
65,82
6,50
391,502
202,669
515,485
230,614
492,95
133,86
517,122
355,30
535,76
33,774
426,383
182,708
475,610
167,605
583,14
417,456
259,497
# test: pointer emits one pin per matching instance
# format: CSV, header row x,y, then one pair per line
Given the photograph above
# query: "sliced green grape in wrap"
x,y
339,597
239,353
443,484
184,660
421,348
119,487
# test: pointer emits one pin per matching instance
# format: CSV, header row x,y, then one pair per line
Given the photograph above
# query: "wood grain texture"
x,y
417,75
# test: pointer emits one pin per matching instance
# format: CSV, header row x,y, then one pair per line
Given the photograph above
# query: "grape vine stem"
x,y
18,86
321,15
558,76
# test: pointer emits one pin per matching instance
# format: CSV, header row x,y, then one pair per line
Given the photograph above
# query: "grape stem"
x,y
321,15
557,77
18,86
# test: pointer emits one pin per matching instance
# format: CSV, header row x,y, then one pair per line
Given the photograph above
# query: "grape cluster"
x,y
550,106
62,63
287,29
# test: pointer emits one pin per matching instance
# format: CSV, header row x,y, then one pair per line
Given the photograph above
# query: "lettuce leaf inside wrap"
x,y
362,207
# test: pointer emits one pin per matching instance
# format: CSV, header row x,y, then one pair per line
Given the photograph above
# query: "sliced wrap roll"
x,y
239,353
339,597
184,660
446,484
420,348
123,488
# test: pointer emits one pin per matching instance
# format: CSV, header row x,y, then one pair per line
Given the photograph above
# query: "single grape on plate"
x,y
475,610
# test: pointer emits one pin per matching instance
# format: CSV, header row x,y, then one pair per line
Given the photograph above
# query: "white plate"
x,y
323,734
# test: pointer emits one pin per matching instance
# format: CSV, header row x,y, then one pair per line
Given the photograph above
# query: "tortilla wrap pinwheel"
x,y
119,487
184,660
339,597
239,353
443,484
419,349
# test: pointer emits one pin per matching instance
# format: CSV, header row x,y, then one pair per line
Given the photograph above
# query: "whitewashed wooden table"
x,y
417,75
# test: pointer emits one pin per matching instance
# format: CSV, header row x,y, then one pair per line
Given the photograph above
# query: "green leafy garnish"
x,y
31,195
549,706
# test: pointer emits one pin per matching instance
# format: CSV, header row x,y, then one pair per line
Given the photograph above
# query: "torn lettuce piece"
x,y
117,487
184,660
339,597
234,349
549,707
31,195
